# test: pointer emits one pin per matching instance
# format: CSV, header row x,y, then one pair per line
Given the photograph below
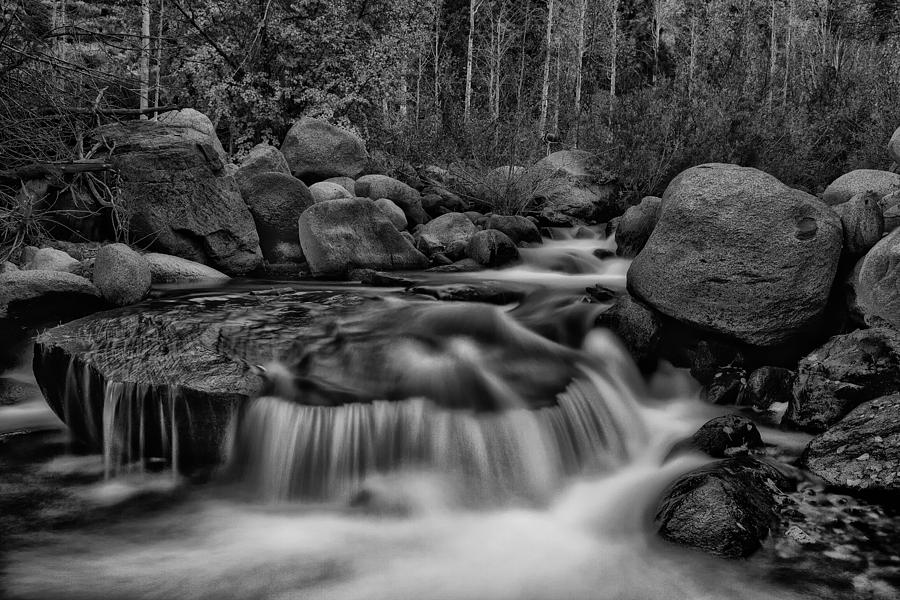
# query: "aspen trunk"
x,y
467,104
545,88
693,60
787,52
145,56
773,55
579,62
657,32
614,50
159,36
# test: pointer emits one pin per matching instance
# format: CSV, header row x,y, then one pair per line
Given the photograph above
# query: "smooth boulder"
x,y
848,370
860,181
727,436
738,253
894,146
327,190
46,295
197,126
338,236
165,268
890,210
178,197
863,222
491,248
404,196
276,201
316,150
862,451
571,187
448,228
121,274
636,225
878,283
392,212
263,158
518,228
49,259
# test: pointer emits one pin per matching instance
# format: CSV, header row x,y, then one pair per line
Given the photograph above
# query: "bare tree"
x,y
545,88
579,64
613,58
145,56
474,5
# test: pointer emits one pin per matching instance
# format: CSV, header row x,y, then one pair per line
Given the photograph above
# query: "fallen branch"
x,y
121,112
56,170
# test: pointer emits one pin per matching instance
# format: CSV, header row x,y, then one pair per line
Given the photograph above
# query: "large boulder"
x,y
738,253
491,248
263,158
276,201
35,296
328,190
404,196
196,126
847,371
863,222
165,268
121,274
727,508
571,187
878,283
351,233
862,451
49,259
392,212
448,228
348,183
519,229
894,146
178,199
890,210
856,182
636,225
316,150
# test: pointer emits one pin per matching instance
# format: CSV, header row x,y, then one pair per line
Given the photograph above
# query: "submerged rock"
x,y
727,508
727,436
848,370
487,291
738,253
862,451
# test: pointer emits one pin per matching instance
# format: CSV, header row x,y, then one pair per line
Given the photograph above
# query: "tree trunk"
x,y
556,94
159,43
787,52
498,57
773,56
437,58
693,60
657,32
467,104
613,51
545,88
145,56
579,62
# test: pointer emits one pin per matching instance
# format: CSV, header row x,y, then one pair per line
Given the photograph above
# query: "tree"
x,y
545,87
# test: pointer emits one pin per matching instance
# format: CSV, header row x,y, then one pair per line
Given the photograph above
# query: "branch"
x,y
71,110
205,35
55,170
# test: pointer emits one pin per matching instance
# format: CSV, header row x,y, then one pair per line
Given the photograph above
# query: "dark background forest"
x,y
803,89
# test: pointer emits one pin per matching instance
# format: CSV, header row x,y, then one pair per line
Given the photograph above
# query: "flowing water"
x,y
477,460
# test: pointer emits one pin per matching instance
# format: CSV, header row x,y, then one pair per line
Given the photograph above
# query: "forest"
x,y
803,89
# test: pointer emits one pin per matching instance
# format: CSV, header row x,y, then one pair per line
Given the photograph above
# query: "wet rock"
x,y
726,509
179,199
488,292
49,259
340,235
519,229
732,234
35,296
121,274
636,325
466,265
327,190
726,386
392,212
374,278
14,392
862,451
766,386
276,202
710,356
570,187
727,436
404,196
446,229
262,158
877,285
165,268
863,222
584,233
602,293
847,371
636,225
860,181
603,253
316,150
492,248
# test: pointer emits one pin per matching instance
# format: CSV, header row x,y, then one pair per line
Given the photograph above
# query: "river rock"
x,y
518,228
49,259
727,436
348,233
393,212
276,201
862,451
165,268
407,198
491,248
767,386
196,126
437,200
732,234
878,283
726,509
327,190
860,181
7,267
348,183
178,198
890,210
636,225
726,386
863,222
488,292
847,371
263,158
894,146
316,150
570,187
636,325
449,228
121,274
36,296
